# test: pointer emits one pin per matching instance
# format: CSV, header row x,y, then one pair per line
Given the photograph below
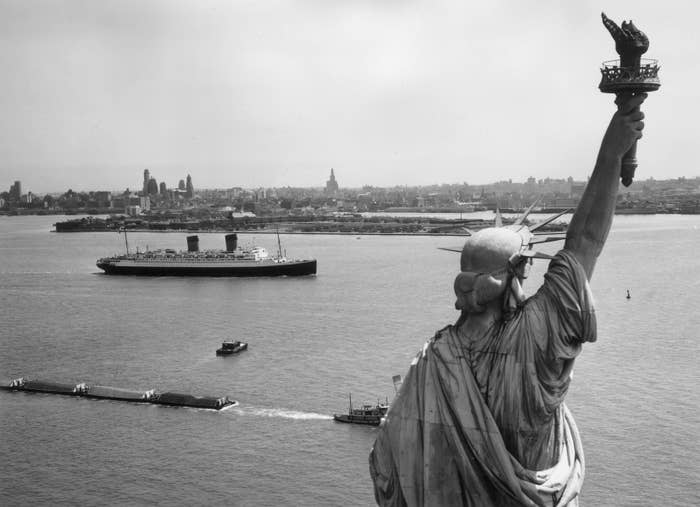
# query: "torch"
x,y
630,74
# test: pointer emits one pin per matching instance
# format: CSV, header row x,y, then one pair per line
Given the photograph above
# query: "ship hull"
x,y
290,268
353,419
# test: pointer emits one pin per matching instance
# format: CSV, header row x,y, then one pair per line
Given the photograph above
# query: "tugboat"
x,y
366,414
228,348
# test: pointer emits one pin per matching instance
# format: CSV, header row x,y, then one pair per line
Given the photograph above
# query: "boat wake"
x,y
279,413
228,407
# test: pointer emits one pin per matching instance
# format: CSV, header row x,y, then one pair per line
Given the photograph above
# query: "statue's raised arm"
x,y
630,81
591,222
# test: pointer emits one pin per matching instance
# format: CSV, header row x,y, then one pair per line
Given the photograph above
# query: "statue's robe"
x,y
480,419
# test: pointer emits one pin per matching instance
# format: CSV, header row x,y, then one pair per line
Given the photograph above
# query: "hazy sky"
x,y
273,93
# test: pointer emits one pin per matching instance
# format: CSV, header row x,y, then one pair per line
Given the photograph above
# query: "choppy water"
x,y
312,341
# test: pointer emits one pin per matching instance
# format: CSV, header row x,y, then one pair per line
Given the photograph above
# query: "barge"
x,y
84,390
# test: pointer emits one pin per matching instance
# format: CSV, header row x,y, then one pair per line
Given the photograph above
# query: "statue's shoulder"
x,y
445,338
444,333
440,337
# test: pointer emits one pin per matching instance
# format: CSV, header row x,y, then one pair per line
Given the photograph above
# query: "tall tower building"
x,y
16,191
146,179
152,186
189,189
331,184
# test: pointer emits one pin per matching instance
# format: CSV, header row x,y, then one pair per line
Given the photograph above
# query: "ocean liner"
x,y
234,261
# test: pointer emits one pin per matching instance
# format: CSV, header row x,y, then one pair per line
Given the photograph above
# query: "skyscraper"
x,y
16,191
146,179
152,186
189,192
332,185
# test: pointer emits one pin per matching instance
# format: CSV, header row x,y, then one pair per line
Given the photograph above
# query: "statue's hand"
x,y
626,125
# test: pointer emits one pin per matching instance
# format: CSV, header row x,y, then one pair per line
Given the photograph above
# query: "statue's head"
x,y
490,249
491,259
496,260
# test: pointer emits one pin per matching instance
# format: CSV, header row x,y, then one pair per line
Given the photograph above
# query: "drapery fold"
x,y
481,420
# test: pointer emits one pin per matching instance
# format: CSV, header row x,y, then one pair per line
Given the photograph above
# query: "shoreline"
x,y
259,231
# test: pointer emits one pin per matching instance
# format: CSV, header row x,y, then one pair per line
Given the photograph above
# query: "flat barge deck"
x,y
118,394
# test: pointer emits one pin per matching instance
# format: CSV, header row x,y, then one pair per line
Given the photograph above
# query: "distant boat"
x,y
635,211
628,294
228,348
234,261
367,414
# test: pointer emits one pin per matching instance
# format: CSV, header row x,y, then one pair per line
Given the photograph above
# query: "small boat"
x,y
366,414
228,348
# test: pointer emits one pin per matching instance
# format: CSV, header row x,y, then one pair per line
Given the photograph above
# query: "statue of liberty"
x,y
480,419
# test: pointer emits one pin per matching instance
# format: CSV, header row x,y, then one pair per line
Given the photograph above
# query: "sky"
x,y
275,93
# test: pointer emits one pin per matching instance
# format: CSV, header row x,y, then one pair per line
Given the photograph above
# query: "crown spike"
x,y
548,220
522,217
499,221
542,239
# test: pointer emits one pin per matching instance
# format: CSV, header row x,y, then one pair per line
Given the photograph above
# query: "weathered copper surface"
x,y
480,417
631,74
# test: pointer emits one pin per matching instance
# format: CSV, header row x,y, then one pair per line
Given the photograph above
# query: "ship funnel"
x,y
193,243
231,242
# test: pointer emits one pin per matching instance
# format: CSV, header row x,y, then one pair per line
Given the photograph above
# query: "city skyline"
x,y
332,189
275,94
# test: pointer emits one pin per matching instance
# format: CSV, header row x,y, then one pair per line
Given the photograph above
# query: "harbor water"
x,y
313,341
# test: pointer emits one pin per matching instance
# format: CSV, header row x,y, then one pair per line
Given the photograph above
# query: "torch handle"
x,y
629,160
629,164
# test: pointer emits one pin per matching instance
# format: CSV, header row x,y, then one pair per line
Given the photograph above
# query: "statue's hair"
x,y
475,290
490,249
